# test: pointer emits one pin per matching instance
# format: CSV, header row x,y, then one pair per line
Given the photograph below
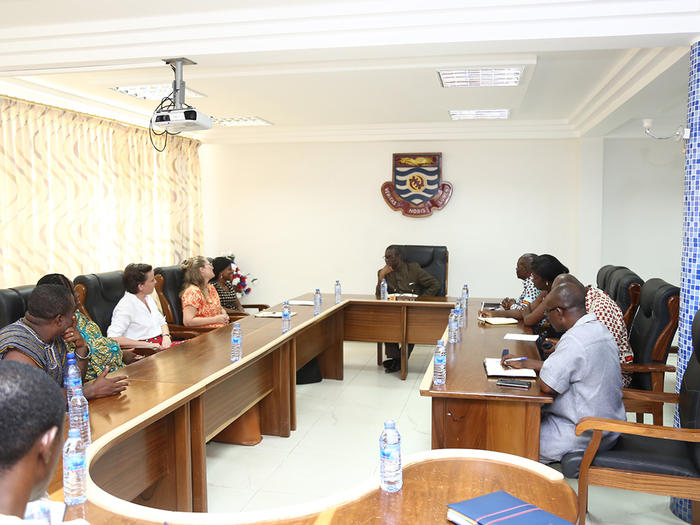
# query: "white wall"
x,y
643,206
299,216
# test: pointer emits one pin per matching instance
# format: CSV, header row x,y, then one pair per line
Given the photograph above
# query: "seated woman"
x,y
105,353
223,273
136,320
200,302
544,269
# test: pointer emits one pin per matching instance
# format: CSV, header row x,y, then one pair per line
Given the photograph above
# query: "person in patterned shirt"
x,y
607,312
523,271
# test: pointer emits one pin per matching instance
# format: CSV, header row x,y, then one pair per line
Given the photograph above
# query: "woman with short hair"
x,y
201,306
136,319
223,275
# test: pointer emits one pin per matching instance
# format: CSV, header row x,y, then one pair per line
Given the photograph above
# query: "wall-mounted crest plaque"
x,y
416,187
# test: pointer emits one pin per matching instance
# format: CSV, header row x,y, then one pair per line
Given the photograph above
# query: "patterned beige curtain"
x,y
80,194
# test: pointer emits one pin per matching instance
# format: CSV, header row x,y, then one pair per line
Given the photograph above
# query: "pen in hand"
x,y
515,359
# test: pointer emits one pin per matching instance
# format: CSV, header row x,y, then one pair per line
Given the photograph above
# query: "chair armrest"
x,y
183,334
258,306
179,328
673,350
646,395
647,367
638,429
236,316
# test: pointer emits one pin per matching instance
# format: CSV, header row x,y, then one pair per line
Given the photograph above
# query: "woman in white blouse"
x,y
136,320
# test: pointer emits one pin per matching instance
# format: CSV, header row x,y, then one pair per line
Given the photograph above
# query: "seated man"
x,y
583,374
513,308
402,277
32,411
39,339
607,312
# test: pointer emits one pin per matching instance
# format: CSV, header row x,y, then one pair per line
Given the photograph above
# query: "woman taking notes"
x,y
200,302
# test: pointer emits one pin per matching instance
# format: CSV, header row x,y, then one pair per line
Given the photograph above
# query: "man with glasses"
x,y
583,375
402,277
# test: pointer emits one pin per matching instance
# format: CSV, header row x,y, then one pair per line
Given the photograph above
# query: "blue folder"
x,y
500,508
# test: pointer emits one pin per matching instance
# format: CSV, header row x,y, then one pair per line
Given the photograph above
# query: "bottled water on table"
x,y
391,477
79,415
72,378
74,469
452,327
338,292
317,301
440,364
459,321
236,343
286,317
384,290
465,297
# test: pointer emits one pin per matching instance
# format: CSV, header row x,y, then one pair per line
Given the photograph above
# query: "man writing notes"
x,y
583,374
514,307
402,277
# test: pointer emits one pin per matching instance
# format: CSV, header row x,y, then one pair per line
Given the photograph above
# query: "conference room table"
x,y
470,410
148,448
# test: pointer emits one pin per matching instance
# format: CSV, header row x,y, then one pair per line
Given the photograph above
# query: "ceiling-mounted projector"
x,y
176,120
173,115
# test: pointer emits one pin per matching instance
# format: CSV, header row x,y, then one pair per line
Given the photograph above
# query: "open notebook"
x,y
494,369
498,320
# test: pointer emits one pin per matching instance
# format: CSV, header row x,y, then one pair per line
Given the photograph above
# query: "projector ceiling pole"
x,y
178,83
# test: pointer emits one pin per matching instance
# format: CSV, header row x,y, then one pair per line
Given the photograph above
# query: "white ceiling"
x,y
331,70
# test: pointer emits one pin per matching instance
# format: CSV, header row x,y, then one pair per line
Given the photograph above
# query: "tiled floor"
x,y
336,446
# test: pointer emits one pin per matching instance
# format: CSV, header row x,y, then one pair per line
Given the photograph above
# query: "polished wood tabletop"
x,y
470,410
431,480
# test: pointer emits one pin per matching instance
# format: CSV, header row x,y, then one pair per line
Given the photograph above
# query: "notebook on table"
x,y
495,369
502,508
498,320
273,314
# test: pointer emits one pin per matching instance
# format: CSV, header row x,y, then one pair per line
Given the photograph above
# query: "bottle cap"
x,y
70,355
389,423
318,291
236,325
74,433
71,360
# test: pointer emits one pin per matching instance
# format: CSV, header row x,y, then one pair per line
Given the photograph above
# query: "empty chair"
x,y
604,275
99,293
650,337
625,289
646,458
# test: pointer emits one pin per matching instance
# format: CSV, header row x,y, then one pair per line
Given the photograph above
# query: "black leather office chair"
x,y
625,288
646,458
604,275
13,303
650,337
99,293
433,259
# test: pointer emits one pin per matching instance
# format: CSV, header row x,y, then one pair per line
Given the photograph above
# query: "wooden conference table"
x,y
149,443
472,411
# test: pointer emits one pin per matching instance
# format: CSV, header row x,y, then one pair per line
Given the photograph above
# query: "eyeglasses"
x,y
562,308
388,257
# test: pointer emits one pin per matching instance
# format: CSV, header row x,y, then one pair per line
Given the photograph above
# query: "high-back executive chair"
x,y
13,303
603,276
650,337
625,288
98,294
434,260
646,458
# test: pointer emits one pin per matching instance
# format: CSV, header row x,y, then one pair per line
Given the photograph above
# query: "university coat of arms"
x,y
416,188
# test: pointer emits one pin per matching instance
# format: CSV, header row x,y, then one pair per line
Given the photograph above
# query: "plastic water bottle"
x,y
452,327
79,415
338,292
286,317
74,469
459,321
439,364
391,476
465,297
72,378
236,343
317,301
384,290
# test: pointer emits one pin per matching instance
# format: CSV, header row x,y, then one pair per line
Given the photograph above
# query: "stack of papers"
x,y
521,337
498,320
299,302
272,314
